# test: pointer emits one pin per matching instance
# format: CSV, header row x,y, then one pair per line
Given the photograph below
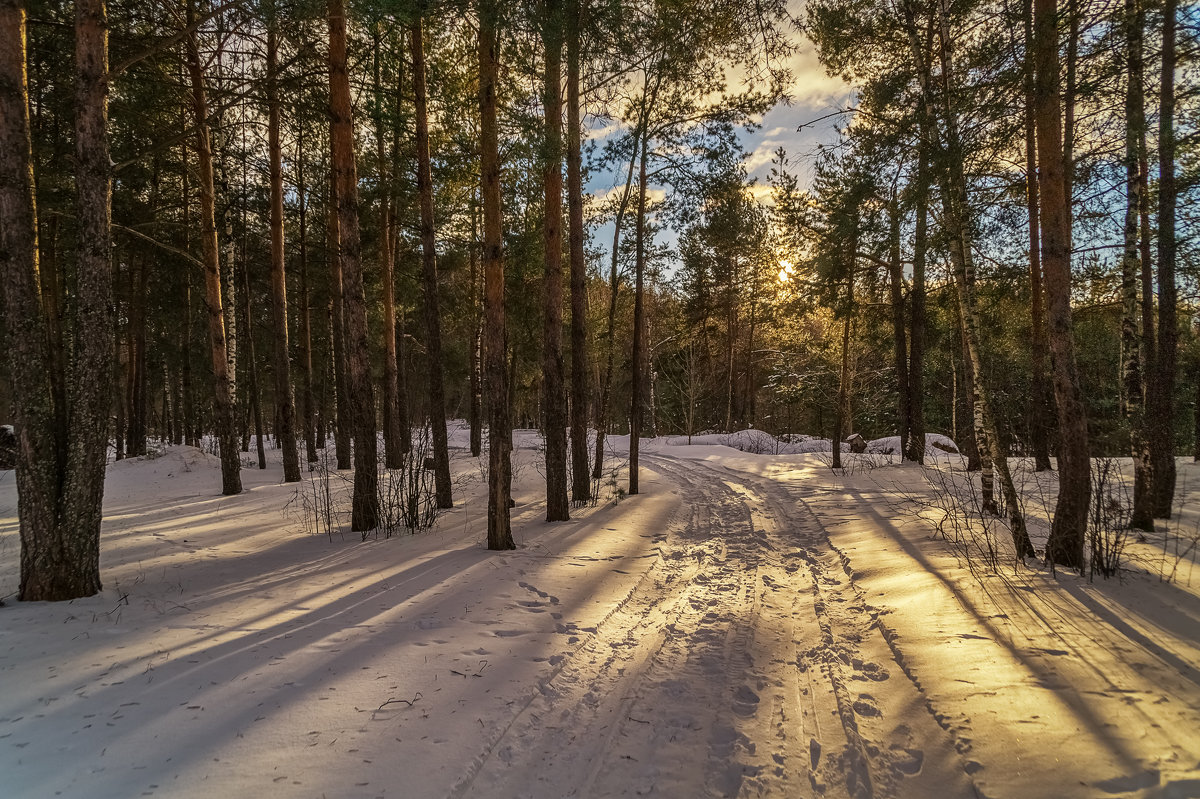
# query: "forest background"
x,y
225,223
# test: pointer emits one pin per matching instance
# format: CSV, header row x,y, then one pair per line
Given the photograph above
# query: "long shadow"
x,y
201,660
866,508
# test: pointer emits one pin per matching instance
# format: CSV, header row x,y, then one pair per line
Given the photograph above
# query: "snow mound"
x,y
760,442
891,444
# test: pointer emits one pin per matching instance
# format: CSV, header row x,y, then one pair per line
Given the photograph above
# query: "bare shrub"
x,y
319,499
954,505
1108,521
407,495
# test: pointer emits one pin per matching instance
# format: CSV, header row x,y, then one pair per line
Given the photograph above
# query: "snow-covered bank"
x,y
751,624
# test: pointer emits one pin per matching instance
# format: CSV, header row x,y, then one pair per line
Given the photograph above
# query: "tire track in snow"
x,y
643,704
919,756
734,668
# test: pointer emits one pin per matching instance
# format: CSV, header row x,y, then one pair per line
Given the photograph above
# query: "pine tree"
x,y
433,322
554,398
1065,545
499,532
365,511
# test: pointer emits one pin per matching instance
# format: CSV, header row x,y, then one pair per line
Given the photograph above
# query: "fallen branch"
x,y
409,702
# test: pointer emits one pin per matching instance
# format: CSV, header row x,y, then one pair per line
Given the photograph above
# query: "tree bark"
x,y
916,346
398,331
955,210
554,398
251,364
393,440
476,366
341,390
1142,514
219,137
1162,412
900,343
88,438
610,329
231,478
433,323
976,391
1041,404
364,513
639,321
54,305
1065,543
285,404
308,400
993,454
190,434
135,339
59,489
499,535
841,414
731,325
1068,111
581,486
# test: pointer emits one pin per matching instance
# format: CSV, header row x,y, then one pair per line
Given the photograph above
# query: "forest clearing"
x,y
749,625
470,398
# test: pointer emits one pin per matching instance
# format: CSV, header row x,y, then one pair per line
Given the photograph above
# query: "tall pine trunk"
x,y
1065,543
365,508
223,408
60,478
285,404
398,331
433,322
841,415
1142,515
900,343
191,434
251,363
393,441
476,364
614,286
135,349
499,533
993,454
956,219
916,347
581,486
83,481
1162,409
308,399
342,423
637,380
554,398
1041,404
1068,110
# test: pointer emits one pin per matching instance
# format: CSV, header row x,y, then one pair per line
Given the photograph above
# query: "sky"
x,y
792,124
814,95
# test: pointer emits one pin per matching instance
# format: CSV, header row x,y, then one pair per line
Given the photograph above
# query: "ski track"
x,y
761,689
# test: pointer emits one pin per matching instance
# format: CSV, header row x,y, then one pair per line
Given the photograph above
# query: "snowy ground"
x,y
750,625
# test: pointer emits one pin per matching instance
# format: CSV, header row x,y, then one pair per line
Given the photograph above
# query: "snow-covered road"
x,y
750,625
745,662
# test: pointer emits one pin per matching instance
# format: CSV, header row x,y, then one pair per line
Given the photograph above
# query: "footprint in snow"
x,y
865,706
745,701
910,765
866,670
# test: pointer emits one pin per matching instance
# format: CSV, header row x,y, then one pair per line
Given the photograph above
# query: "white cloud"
x,y
764,152
811,86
